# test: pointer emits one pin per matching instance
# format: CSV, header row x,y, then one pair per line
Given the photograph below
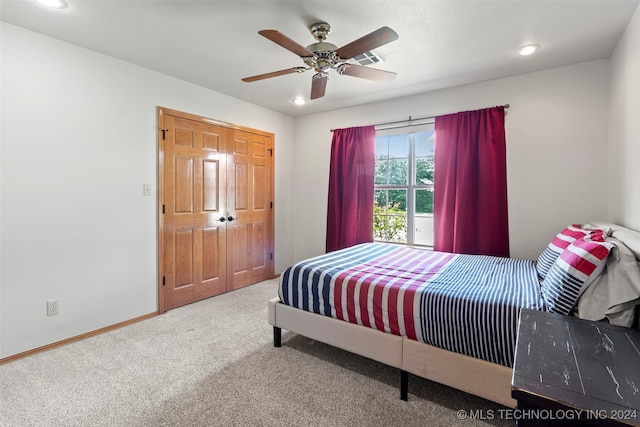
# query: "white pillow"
x,y
616,292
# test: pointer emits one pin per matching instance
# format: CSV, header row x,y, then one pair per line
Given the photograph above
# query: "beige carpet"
x,y
213,363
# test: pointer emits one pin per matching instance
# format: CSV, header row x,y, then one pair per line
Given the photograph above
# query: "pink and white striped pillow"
x,y
559,244
573,271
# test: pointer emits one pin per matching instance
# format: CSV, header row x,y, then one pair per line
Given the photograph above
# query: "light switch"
x,y
146,189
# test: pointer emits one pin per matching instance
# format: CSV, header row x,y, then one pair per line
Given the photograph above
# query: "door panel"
x,y
241,181
183,184
194,238
251,189
259,241
260,193
239,237
210,254
183,262
210,184
209,173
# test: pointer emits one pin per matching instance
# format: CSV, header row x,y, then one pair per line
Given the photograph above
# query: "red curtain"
x,y
350,204
470,185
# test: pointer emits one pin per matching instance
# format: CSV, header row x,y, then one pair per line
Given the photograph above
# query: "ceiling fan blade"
x,y
278,38
371,41
318,86
274,74
366,73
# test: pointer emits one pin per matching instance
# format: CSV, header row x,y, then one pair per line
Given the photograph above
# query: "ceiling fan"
x,y
323,56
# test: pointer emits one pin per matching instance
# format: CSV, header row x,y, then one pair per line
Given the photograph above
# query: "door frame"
x,y
161,112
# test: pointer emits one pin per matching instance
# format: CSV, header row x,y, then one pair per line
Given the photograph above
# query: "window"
x,y
403,205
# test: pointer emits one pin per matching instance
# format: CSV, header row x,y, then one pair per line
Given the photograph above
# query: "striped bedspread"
x,y
468,304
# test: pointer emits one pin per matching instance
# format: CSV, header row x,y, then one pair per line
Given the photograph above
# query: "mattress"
x,y
468,304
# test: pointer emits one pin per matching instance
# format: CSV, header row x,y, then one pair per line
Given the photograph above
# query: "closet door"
x,y
215,222
193,221
249,232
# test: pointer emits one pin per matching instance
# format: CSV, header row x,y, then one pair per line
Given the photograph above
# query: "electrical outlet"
x,y
52,307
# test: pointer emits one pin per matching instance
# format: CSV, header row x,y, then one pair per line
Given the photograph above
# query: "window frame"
x,y
411,185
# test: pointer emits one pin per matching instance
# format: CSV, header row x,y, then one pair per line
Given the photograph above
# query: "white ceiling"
x,y
445,43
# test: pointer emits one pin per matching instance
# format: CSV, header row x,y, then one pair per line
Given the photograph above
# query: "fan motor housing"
x,y
322,47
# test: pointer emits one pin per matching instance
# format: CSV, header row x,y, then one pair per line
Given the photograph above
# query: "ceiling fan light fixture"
x,y
529,49
54,4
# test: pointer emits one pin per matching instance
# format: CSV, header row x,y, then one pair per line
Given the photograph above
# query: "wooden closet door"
x,y
215,190
249,234
193,222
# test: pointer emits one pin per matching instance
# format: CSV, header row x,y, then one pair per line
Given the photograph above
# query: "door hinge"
x,y
164,132
270,151
270,255
271,205
162,208
164,281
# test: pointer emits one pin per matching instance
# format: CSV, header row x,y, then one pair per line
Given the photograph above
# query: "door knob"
x,y
222,219
230,218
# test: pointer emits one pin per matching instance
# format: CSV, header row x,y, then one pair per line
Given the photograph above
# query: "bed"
x,y
450,318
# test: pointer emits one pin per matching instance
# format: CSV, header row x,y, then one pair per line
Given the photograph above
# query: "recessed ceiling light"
x,y
299,101
528,49
56,4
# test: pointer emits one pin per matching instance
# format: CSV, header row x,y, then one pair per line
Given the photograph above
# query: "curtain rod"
x,y
410,119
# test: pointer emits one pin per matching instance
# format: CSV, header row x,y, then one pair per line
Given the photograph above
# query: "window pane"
x,y
424,202
379,215
390,216
424,230
397,201
382,171
380,201
382,146
396,228
397,216
424,171
398,146
379,226
424,144
424,158
398,171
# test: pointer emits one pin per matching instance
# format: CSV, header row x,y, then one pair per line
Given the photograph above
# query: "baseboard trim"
x,y
77,338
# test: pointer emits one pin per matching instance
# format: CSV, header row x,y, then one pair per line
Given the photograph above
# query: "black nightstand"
x,y
570,372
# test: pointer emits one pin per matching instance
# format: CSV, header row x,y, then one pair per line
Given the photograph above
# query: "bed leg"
x,y
404,385
277,336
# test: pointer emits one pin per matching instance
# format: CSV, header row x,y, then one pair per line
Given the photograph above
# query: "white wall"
x,y
556,150
78,140
624,136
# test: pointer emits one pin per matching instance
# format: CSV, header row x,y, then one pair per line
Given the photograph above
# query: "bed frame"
x,y
481,378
